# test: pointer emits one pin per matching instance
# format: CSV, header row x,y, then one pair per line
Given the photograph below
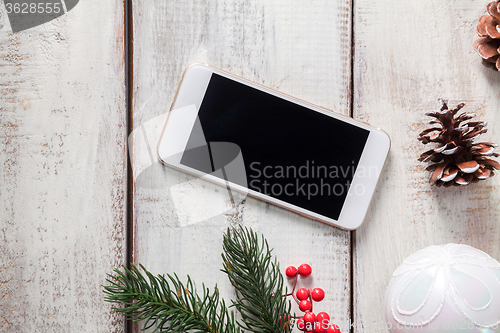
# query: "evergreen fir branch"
x,y
167,305
258,282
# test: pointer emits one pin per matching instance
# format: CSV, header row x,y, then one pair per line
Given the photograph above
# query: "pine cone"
x,y
487,46
457,160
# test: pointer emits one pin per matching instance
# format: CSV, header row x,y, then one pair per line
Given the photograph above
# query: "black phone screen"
x,y
290,152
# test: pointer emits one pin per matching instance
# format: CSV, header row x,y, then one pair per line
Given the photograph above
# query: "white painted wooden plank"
x,y
300,48
407,55
62,170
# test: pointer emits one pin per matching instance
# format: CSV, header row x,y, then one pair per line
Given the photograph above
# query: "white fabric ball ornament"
x,y
444,289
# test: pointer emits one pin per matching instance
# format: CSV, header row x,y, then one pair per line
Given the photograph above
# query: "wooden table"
x,y
72,90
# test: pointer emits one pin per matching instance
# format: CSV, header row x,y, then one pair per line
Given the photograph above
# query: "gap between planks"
x,y
129,84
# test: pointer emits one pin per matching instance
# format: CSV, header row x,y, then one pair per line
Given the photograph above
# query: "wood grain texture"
x,y
62,170
407,55
300,48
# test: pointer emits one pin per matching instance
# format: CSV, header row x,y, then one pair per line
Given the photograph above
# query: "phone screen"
x,y
290,152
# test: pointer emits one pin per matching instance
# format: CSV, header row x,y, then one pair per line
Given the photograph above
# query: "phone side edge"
x,y
384,140
183,80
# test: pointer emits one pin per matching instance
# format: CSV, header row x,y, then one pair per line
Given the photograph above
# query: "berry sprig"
x,y
309,322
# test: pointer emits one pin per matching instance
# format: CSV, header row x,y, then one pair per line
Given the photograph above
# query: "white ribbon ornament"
x,y
446,288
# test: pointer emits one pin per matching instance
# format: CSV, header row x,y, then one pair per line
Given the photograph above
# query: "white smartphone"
x,y
274,147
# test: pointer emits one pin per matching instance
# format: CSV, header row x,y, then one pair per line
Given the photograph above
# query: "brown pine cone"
x,y
457,160
488,44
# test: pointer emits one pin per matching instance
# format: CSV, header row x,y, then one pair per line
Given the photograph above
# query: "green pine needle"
x,y
257,280
168,306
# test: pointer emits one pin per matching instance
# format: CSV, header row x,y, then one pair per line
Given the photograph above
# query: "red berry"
x,y
309,327
323,318
333,329
301,324
317,294
318,328
305,305
309,317
291,271
305,270
302,294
